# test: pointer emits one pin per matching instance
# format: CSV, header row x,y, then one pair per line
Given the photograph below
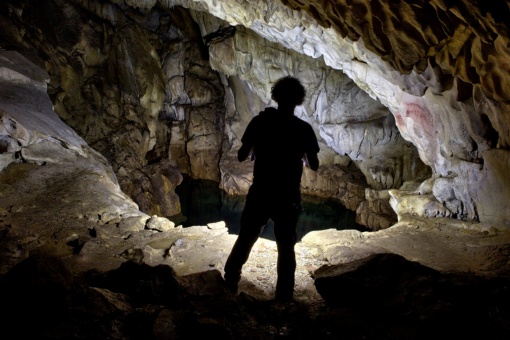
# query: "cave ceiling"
x,y
467,40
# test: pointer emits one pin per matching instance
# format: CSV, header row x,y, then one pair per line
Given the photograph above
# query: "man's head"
x,y
288,92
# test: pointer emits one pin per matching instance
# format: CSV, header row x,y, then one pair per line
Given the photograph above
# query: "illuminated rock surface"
x,y
409,99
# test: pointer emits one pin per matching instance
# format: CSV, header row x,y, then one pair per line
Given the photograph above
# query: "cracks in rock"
x,y
76,245
185,148
220,35
358,152
5,229
133,254
92,232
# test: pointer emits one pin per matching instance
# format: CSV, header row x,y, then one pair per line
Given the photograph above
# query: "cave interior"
x,y
109,107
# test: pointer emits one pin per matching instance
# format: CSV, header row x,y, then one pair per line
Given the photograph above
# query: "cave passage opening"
x,y
203,202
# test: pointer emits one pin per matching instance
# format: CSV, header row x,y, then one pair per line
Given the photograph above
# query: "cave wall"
x,y
442,75
29,128
418,103
334,104
136,85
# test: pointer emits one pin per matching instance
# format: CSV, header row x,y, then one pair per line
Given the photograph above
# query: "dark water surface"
x,y
203,202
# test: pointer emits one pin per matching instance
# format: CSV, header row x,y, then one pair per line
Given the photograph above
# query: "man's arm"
x,y
248,140
312,149
244,152
312,161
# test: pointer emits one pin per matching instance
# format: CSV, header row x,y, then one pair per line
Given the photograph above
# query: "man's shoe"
x,y
231,286
284,297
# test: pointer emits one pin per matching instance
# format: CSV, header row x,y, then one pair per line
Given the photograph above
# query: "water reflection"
x,y
203,202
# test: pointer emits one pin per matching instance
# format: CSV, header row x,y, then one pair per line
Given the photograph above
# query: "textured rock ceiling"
x,y
464,39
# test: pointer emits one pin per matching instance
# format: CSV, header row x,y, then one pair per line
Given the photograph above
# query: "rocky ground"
x,y
80,261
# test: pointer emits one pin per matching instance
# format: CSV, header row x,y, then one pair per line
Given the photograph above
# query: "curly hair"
x,y
288,91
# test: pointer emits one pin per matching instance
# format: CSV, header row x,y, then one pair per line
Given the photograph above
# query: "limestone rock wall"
x,y
30,131
354,126
440,67
137,82
48,173
136,85
400,89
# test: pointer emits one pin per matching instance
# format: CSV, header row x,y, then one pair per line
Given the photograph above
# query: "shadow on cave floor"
x,y
203,202
389,299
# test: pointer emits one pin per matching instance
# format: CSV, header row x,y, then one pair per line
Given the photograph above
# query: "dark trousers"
x,y
259,208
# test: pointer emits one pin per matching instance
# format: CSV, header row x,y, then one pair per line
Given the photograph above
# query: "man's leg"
x,y
285,223
252,224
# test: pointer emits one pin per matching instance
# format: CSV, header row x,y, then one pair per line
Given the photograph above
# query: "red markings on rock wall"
x,y
422,118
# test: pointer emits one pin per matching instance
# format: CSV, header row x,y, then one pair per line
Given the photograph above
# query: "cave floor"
x,y
77,214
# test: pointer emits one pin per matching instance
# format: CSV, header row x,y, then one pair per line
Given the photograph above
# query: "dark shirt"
x,y
280,142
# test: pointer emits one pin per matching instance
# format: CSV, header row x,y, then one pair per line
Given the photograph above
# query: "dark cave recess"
x,y
203,202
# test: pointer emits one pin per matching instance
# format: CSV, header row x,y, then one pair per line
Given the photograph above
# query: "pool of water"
x,y
203,202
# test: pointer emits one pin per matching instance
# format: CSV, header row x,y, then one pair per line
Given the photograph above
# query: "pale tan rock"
x,y
159,224
154,189
376,212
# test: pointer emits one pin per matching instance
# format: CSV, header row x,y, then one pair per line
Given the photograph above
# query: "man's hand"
x,y
311,161
244,151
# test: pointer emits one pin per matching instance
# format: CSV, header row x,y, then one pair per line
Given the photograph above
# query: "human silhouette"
x,y
279,143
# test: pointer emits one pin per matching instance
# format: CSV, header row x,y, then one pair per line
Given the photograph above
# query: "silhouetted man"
x,y
280,143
